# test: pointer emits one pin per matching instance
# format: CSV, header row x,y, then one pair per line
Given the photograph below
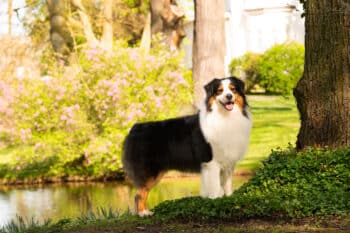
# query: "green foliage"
x,y
281,67
128,22
315,182
276,71
248,64
132,3
73,122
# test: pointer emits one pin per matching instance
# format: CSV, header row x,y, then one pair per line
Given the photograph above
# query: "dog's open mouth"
x,y
228,106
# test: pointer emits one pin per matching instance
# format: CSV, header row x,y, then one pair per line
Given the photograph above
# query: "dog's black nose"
x,y
229,96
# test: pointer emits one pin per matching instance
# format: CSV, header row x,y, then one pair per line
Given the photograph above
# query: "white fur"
x,y
228,134
145,213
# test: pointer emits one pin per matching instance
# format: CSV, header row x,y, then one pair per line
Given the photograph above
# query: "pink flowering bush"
x,y
74,122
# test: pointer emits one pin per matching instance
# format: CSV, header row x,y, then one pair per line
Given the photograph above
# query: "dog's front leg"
x,y
210,180
226,180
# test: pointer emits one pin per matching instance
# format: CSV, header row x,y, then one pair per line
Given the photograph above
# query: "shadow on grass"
x,y
251,164
280,109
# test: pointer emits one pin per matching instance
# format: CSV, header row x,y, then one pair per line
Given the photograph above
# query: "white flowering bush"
x,y
74,123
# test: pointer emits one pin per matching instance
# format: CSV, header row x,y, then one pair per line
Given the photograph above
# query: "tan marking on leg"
x,y
142,195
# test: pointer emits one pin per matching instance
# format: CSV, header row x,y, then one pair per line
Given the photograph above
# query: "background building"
x,y
252,25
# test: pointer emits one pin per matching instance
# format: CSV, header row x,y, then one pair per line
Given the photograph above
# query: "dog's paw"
x,y
228,192
145,213
215,195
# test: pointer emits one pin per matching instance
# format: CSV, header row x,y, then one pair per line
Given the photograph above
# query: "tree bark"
x,y
61,39
323,93
167,18
208,45
107,36
87,27
9,12
146,34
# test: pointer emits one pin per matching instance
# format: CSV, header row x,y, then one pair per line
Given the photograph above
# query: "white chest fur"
x,y
227,132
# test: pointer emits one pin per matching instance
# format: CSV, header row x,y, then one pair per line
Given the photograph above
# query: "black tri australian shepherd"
x,y
209,142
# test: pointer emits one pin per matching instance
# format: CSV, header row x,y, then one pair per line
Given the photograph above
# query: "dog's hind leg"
x,y
142,195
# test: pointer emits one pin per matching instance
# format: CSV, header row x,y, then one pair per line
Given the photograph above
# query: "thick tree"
x,y
167,18
9,12
208,44
323,93
107,36
61,38
61,25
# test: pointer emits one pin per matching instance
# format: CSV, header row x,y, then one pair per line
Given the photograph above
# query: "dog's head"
x,y
226,93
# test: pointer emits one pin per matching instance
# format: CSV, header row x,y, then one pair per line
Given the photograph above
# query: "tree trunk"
x,y
146,34
9,11
323,93
89,34
208,44
61,39
167,18
107,36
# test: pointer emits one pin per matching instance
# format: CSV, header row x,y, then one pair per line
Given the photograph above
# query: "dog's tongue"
x,y
229,106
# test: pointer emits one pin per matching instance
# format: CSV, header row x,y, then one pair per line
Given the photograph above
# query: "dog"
x,y
209,142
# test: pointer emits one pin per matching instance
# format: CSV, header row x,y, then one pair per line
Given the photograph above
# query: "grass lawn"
x,y
275,124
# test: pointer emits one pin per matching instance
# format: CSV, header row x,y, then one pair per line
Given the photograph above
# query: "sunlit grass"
x,y
185,187
275,124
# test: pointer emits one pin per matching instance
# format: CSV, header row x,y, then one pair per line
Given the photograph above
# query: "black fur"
x,y
211,89
239,85
153,147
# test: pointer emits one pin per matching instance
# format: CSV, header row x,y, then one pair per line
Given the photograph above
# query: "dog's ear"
x,y
210,88
238,83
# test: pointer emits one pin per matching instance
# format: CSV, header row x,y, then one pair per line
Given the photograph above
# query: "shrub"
x,y
248,64
276,71
74,121
311,183
281,67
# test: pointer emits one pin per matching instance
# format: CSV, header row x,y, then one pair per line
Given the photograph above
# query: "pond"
x,y
57,201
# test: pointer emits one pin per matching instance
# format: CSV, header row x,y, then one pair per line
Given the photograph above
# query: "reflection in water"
x,y
57,201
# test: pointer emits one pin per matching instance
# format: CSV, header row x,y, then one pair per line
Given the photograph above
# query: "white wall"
x,y
268,22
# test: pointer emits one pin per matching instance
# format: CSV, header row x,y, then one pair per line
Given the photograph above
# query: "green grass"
x,y
275,125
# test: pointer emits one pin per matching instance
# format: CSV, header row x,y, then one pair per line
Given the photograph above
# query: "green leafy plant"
x,y
277,70
248,64
281,67
291,184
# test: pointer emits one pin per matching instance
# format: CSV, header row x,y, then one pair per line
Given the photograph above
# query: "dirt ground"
x,y
250,226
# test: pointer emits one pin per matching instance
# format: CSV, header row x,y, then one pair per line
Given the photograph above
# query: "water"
x,y
57,201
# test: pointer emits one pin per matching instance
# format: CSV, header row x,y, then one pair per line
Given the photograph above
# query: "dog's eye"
x,y
233,89
219,91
